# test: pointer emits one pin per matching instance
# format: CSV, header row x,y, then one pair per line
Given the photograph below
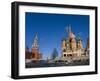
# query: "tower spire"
x,y
88,44
69,29
79,44
35,42
70,33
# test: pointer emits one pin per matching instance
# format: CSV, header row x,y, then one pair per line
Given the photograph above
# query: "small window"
x,y
64,50
33,55
69,55
64,55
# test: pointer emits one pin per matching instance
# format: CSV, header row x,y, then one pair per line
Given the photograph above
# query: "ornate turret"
x,y
35,42
64,45
79,42
71,38
36,55
67,45
69,31
73,43
88,44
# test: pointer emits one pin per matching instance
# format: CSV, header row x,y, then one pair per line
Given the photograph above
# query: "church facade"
x,y
72,48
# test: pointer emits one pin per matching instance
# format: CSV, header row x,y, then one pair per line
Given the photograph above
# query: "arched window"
x,y
64,55
64,50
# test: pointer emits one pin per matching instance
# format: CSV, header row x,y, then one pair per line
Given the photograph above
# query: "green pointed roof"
x,y
67,41
64,39
79,38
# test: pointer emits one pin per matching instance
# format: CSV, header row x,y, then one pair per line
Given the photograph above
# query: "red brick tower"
x,y
35,49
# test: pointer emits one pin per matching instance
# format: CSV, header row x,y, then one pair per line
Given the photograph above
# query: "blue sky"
x,y
51,29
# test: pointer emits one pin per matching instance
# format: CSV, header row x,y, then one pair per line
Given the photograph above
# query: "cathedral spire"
x,y
35,42
88,44
79,37
69,29
79,42
70,33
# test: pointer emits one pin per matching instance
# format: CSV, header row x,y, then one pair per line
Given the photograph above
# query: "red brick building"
x,y
34,54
